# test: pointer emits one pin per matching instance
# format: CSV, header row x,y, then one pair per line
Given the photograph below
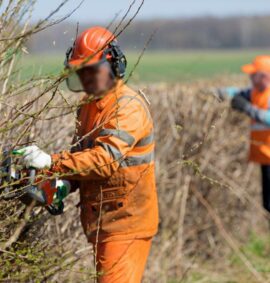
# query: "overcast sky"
x,y
102,10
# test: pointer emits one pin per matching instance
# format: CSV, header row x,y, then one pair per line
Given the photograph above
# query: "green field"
x,y
161,66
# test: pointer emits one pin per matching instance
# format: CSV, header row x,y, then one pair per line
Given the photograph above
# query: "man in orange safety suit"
x,y
112,160
255,102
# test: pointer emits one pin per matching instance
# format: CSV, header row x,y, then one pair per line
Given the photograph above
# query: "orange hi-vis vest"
x,y
114,162
260,133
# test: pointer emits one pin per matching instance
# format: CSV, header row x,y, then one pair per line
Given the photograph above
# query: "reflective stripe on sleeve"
x,y
146,140
138,160
122,135
127,161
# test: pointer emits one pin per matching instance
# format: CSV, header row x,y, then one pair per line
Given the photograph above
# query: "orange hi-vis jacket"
x,y
260,133
114,162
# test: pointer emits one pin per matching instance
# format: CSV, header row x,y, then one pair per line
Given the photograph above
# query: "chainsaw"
x,y
25,184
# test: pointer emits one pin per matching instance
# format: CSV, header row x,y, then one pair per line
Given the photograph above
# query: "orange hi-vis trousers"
x,y
122,261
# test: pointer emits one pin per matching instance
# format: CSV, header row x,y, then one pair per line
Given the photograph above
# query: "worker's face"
x,y
260,80
96,79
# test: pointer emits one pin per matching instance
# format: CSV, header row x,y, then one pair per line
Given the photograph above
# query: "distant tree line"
x,y
192,33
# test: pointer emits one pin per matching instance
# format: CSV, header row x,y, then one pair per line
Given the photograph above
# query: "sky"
x,y
102,10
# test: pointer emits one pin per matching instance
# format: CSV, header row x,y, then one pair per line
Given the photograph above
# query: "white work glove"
x,y
32,156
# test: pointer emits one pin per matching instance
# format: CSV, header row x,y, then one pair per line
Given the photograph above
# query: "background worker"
x,y
255,102
112,160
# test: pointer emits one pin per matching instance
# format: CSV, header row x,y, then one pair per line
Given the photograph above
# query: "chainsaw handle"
x,y
32,176
53,209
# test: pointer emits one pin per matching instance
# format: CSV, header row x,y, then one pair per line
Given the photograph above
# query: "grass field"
x,y
161,66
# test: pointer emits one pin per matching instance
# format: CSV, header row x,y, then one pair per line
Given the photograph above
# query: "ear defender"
x,y
68,55
118,60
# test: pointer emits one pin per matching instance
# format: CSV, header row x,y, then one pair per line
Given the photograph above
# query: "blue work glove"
x,y
228,92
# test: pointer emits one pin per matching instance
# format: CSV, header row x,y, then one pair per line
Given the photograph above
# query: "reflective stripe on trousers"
x,y
259,127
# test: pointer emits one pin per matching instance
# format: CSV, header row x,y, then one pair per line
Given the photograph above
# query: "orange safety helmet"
x,y
94,46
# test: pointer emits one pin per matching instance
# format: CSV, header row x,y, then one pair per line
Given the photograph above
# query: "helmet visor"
x,y
74,83
76,79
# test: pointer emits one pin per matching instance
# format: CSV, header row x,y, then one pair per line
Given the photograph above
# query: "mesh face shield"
x,y
74,83
73,80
